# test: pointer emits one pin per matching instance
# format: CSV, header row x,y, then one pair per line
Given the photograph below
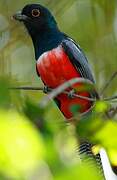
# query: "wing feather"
x,y
78,58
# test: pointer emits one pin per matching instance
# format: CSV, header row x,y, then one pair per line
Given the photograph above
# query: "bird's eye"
x,y
35,13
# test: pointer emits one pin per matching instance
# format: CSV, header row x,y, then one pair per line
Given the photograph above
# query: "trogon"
x,y
58,57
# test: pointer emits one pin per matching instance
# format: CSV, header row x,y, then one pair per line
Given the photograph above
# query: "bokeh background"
x,y
93,24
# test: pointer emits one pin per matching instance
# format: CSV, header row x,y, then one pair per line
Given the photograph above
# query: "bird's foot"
x,y
71,94
46,89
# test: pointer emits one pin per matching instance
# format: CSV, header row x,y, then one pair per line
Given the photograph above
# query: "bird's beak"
x,y
20,17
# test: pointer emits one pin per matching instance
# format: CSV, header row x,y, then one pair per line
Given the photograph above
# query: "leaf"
x,y
21,145
81,172
107,138
4,92
96,128
37,115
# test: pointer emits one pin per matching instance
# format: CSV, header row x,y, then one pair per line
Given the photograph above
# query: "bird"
x,y
58,59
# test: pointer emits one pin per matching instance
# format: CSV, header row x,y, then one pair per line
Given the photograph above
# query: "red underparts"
x,y
55,68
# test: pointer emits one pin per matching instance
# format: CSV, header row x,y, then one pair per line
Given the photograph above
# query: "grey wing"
x,y
77,58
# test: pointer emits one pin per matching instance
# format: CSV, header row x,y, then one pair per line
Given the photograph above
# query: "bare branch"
x,y
42,88
114,75
81,97
27,88
110,98
63,87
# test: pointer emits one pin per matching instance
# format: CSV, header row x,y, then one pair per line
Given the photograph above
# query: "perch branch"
x,y
27,88
110,98
114,75
62,89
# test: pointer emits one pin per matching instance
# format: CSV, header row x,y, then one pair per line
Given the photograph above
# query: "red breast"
x,y
55,68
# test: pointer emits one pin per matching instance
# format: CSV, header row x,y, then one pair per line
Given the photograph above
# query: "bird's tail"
x,y
86,155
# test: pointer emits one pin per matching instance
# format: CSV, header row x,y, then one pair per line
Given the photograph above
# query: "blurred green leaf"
x,y
5,99
101,107
100,131
106,137
81,172
93,24
21,146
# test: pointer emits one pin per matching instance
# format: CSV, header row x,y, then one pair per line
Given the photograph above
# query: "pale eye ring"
x,y
35,13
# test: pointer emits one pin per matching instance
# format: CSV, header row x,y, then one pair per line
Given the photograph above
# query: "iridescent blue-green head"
x,y
36,18
41,26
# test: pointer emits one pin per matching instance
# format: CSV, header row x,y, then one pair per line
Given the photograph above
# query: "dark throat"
x,y
45,40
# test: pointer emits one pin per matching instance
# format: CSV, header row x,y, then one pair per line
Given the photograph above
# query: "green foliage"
x,y
100,131
30,144
38,143
21,147
4,93
82,172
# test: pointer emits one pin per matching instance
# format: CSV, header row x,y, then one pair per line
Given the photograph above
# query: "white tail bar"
x,y
108,172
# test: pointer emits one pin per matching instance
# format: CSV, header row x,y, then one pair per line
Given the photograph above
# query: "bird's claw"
x,y
71,94
46,89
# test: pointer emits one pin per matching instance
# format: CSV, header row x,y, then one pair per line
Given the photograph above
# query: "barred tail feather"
x,y
87,156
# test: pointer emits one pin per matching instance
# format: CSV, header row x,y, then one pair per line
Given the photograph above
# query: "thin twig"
x,y
60,89
81,97
27,88
110,98
41,89
108,83
63,87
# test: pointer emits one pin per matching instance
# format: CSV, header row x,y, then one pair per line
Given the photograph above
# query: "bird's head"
x,y
36,18
41,26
